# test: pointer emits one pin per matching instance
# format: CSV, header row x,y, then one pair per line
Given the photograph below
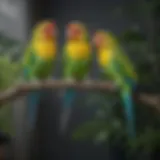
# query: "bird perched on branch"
x,y
76,62
38,61
116,65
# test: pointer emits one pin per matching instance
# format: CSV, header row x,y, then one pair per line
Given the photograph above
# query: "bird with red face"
x,y
38,62
77,58
116,66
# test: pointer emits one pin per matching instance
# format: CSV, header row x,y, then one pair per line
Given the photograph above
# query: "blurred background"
x,y
93,133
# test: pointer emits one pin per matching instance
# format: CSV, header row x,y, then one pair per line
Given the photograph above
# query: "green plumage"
x,y
75,69
35,66
76,64
121,71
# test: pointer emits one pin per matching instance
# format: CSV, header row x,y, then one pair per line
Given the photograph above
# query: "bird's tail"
x,y
129,111
68,100
32,100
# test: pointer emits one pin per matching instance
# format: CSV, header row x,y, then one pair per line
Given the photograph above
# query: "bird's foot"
x,y
34,80
87,81
70,80
48,79
20,81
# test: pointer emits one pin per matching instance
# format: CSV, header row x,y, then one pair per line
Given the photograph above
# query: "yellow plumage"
x,y
104,57
111,52
40,45
105,52
45,49
78,50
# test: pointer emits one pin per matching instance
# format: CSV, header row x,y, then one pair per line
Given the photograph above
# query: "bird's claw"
x,y
47,79
87,81
20,81
34,80
70,80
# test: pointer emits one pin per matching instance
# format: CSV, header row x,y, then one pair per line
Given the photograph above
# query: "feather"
x,y
129,112
32,110
69,97
68,100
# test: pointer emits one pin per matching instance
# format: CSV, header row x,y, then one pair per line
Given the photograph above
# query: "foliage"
x,y
106,127
8,75
9,71
136,44
10,47
109,127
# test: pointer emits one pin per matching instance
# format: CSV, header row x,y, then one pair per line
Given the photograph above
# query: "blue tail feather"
x,y
32,100
69,98
129,111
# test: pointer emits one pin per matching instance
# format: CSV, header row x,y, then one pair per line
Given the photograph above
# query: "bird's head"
x,y
102,38
45,30
76,31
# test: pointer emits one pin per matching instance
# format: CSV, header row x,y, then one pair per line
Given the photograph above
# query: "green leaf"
x,y
9,73
91,129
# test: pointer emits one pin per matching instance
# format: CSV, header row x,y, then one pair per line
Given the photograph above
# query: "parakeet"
x,y
77,60
117,66
38,62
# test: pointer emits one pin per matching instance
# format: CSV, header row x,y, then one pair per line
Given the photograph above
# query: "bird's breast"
x,y
104,57
46,50
78,51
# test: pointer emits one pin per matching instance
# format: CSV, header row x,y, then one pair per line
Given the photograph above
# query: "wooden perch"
x,y
22,89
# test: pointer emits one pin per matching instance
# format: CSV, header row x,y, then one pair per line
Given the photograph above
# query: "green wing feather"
x,y
35,66
77,69
120,68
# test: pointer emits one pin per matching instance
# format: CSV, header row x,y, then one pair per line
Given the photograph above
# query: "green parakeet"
x,y
76,60
117,66
38,62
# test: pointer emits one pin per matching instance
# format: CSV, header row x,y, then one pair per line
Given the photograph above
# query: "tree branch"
x,y
23,89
